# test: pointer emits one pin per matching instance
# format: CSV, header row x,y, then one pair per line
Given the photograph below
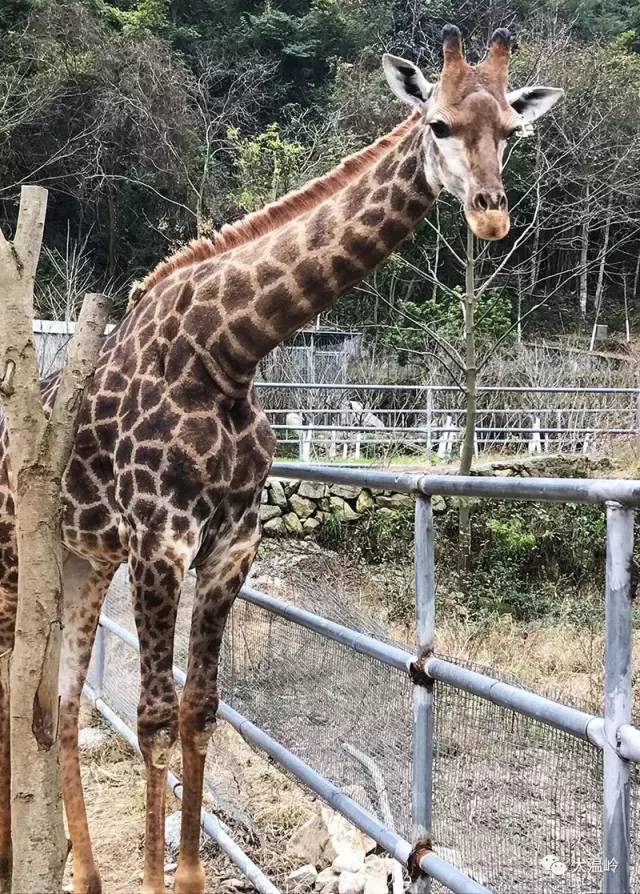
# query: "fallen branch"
x,y
383,803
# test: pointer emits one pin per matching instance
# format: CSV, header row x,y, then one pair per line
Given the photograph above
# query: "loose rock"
x,y
327,879
308,842
275,527
172,833
90,738
313,490
292,523
277,495
350,883
348,861
376,872
268,512
302,507
303,877
343,837
341,510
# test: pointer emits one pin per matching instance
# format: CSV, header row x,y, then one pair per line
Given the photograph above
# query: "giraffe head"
x,y
468,117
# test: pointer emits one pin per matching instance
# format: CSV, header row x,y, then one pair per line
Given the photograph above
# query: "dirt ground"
x,y
114,785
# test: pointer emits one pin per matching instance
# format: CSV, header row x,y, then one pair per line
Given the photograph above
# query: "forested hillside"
x,y
151,122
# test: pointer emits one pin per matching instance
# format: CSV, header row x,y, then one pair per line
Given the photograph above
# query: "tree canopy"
x,y
153,121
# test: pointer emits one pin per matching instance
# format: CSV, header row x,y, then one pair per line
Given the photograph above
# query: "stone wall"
x,y
300,507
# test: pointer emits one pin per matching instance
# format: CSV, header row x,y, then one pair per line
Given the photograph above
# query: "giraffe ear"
x,y
532,102
406,80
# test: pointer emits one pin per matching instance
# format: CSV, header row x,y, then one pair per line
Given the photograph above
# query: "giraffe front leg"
x,y
218,583
156,579
84,592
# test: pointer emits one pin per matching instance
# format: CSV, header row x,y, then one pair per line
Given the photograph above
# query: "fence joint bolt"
x,y
422,848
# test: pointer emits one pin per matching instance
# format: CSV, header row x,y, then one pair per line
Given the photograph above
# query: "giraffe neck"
x,y
269,288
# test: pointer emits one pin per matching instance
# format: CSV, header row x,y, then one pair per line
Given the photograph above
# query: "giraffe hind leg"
x,y
84,592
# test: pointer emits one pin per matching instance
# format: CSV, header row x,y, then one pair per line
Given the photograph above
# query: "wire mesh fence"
x,y
517,804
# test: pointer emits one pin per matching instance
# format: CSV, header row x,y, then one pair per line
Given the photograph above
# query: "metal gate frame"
x,y
612,732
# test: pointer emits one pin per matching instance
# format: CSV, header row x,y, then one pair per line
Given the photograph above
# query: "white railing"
x,y
323,421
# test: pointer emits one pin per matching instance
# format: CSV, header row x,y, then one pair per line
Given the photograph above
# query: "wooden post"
x,y
40,449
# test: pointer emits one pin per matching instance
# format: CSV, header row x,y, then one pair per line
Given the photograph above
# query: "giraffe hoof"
x,y
189,879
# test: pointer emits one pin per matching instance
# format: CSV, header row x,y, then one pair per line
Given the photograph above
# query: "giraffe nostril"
x,y
502,202
481,201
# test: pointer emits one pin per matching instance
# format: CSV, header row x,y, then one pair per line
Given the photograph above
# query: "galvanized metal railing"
x,y
612,733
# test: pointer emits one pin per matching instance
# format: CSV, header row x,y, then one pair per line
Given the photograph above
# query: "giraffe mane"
x,y
274,215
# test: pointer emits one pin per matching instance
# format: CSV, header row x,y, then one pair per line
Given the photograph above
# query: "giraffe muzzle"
x,y
489,225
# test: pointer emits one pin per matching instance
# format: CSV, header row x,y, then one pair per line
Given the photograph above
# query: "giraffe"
x,y
172,448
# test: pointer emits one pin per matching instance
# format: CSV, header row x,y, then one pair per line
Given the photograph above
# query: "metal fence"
x,y
324,421
472,741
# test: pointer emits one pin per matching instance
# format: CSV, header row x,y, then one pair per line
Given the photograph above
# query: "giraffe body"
x,y
172,448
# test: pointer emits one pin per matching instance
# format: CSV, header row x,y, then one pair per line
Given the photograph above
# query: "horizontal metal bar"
x,y
555,490
121,632
212,827
392,843
559,490
209,823
435,867
446,411
537,707
400,482
508,389
359,642
571,720
443,429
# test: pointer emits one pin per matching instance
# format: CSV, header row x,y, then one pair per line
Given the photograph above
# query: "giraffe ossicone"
x,y
172,448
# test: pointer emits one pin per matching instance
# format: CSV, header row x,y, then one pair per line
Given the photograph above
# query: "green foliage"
x,y
422,323
267,166
150,118
510,539
149,14
535,560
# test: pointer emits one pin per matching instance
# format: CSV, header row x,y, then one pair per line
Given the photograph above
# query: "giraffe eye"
x,y
439,129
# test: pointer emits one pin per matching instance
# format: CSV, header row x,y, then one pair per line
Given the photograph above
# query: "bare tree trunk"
x,y
636,277
625,291
40,449
601,267
470,375
436,255
534,271
584,258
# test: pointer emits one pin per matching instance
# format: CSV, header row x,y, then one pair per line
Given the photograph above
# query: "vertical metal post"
x,y
617,699
98,662
429,425
422,790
